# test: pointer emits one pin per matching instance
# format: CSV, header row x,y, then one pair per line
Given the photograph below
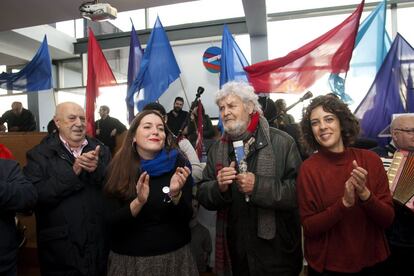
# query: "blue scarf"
x,y
162,163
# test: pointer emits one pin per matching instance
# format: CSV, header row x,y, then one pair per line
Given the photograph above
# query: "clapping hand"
x,y
88,161
358,180
356,185
142,188
178,180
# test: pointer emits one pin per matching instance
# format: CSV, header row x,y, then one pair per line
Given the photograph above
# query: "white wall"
x,y
193,75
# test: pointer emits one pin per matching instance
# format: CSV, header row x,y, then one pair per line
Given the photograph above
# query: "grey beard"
x,y
238,129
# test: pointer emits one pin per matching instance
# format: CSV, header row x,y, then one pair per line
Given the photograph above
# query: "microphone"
x,y
200,91
307,95
240,158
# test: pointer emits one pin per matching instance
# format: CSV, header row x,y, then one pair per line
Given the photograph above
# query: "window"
x,y
196,11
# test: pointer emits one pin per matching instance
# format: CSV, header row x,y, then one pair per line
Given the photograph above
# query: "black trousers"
x,y
401,261
380,269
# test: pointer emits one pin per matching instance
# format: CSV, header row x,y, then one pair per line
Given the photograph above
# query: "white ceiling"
x,y
17,45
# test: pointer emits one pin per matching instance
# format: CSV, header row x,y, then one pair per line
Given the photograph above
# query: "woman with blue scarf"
x,y
149,203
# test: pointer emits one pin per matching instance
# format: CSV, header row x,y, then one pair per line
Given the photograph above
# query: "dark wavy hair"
x,y
123,170
348,122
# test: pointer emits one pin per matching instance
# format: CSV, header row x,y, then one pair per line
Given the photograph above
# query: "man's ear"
x,y
250,108
57,122
394,136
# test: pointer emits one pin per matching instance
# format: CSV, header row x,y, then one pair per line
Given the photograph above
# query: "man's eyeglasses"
x,y
409,131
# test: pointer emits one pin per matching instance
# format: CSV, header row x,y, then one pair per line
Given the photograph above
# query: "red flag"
x,y
99,74
298,70
199,142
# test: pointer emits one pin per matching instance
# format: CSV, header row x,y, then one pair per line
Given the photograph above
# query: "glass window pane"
x,y
71,95
405,22
67,27
6,102
3,68
196,11
114,98
280,38
273,6
244,44
123,20
71,73
79,28
118,61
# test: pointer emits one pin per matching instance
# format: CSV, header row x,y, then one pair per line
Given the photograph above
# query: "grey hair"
x,y
243,90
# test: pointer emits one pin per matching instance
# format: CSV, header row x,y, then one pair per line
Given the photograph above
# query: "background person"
x,y
262,235
401,233
107,128
282,117
18,119
67,169
344,199
149,203
177,116
16,194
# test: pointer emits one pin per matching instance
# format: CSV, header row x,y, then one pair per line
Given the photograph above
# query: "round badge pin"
x,y
165,190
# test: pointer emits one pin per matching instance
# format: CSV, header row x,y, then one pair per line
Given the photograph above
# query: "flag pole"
x,y
185,93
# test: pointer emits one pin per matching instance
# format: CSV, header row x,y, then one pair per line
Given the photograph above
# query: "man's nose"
x,y
226,111
78,121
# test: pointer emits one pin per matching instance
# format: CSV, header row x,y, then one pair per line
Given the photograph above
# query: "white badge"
x,y
166,189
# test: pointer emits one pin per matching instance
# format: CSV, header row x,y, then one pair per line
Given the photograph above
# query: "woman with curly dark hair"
x,y
344,200
149,208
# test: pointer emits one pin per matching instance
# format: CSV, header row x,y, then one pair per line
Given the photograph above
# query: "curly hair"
x,y
242,90
123,170
348,122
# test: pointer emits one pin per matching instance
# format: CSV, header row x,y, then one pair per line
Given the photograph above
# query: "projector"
x,y
98,11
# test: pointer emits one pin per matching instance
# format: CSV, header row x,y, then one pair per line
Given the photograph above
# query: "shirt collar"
x,y
77,151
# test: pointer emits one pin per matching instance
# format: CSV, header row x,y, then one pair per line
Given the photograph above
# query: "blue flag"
x,y
134,62
158,68
232,59
35,76
390,91
372,44
232,62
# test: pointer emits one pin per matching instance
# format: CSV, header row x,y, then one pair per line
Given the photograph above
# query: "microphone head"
x,y
200,90
307,95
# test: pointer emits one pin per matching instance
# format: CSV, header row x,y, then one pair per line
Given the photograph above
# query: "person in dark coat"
x,y
18,119
16,194
258,218
401,233
177,116
107,128
67,168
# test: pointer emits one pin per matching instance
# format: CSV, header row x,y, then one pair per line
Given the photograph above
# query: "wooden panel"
x,y
20,142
